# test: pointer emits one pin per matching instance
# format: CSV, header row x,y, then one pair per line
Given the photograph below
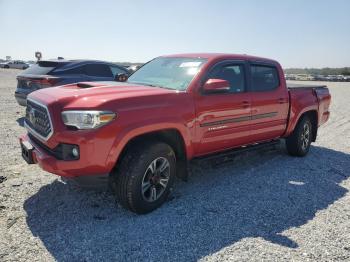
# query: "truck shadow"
x,y
258,195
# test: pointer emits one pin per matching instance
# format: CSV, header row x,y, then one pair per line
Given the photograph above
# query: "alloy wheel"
x,y
305,136
155,180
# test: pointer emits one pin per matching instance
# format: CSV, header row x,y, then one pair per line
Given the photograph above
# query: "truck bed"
x,y
301,96
298,86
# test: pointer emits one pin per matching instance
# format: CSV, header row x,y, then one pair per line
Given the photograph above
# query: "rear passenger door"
x,y
269,101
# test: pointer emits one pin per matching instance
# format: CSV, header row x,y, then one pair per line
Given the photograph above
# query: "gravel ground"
x,y
261,206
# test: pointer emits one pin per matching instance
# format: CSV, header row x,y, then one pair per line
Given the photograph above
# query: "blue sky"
x,y
298,33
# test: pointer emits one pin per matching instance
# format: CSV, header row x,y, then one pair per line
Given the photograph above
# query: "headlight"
x,y
87,119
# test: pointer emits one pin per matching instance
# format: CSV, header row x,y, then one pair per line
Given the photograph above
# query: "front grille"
x,y
38,119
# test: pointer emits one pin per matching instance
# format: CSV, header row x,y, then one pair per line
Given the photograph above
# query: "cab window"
x,y
234,74
264,78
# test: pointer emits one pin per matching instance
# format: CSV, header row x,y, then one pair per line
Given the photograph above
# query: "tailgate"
x,y
324,100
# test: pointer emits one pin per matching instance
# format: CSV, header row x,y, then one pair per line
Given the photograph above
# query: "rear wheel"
x,y
6,66
144,178
298,143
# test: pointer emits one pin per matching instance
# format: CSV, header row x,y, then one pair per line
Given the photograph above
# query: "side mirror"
x,y
121,77
216,86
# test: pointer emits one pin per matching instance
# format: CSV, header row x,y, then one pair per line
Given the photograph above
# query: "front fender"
x,y
130,132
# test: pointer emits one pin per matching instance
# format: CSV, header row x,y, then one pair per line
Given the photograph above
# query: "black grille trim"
x,y
60,152
54,152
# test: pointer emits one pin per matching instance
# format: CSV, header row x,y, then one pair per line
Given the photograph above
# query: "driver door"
x,y
224,118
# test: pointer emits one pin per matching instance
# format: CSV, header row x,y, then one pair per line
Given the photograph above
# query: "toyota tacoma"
x,y
140,134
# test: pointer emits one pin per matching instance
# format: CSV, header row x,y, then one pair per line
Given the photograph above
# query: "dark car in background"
x,y
51,73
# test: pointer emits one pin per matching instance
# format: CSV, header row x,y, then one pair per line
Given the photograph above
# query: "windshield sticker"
x,y
190,64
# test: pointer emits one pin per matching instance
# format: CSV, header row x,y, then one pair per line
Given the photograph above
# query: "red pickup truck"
x,y
139,134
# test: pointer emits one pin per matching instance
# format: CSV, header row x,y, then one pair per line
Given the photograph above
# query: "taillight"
x,y
45,82
37,83
48,82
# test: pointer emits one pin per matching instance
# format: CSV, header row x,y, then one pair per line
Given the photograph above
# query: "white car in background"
x,y
15,64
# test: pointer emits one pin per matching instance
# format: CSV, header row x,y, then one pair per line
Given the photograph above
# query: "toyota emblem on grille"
x,y
32,117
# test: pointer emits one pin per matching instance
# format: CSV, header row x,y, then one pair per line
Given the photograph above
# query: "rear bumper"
x,y
21,95
21,98
69,169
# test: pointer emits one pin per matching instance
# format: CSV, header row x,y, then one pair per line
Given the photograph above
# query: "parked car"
x,y
17,64
61,72
320,78
290,77
341,78
304,77
140,134
332,78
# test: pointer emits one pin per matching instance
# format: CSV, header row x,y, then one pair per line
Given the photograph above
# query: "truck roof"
x,y
220,55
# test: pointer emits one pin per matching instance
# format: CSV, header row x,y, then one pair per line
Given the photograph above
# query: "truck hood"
x,y
94,94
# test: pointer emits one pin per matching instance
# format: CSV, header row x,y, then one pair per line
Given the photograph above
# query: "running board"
x,y
227,156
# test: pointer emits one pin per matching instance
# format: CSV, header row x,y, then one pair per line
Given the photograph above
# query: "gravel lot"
x,y
261,206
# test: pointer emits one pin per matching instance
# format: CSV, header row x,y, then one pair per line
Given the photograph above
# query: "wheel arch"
x,y
313,116
171,136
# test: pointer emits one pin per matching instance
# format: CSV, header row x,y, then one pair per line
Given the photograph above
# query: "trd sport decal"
x,y
236,120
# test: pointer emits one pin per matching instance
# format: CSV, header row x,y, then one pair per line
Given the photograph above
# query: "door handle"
x,y
281,100
245,104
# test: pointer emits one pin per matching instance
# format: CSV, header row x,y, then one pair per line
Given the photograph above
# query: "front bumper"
x,y
72,169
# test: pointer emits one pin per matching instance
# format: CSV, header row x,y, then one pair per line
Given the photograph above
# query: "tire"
x,y
298,143
6,66
135,174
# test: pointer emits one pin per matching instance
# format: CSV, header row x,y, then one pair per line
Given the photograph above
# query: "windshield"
x,y
168,72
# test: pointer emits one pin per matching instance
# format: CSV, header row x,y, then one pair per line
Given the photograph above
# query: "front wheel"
x,y
298,143
144,178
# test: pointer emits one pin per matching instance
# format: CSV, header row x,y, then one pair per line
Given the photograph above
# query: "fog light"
x,y
75,152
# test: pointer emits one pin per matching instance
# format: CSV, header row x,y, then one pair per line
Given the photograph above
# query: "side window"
x,y
116,70
264,78
234,74
98,70
73,71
